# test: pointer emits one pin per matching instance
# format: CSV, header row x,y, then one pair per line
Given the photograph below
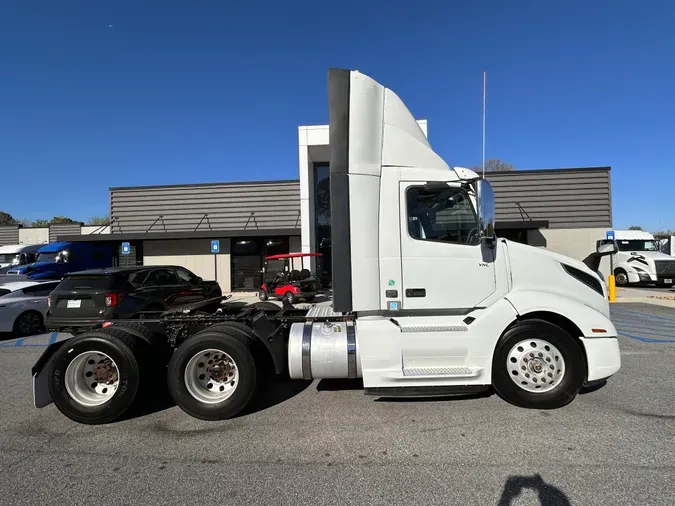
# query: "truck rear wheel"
x,y
95,377
213,375
538,365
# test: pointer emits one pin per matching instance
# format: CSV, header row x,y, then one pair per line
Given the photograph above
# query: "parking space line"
x,y
646,339
628,311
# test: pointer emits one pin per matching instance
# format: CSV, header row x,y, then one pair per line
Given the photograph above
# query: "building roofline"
x,y
203,185
167,236
565,169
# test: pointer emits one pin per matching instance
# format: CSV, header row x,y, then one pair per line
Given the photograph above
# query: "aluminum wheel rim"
x,y
621,278
535,365
92,378
30,322
211,376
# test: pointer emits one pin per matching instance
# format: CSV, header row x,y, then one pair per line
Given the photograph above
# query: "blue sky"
x,y
120,92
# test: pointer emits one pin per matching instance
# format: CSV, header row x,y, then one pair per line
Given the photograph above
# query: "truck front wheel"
x,y
621,277
538,365
212,375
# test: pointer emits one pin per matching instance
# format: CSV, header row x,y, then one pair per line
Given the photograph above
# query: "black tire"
x,y
240,348
290,297
262,295
130,355
621,277
309,298
159,346
572,354
28,323
139,330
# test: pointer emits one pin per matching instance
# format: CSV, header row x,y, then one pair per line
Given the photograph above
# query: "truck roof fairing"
x,y
370,130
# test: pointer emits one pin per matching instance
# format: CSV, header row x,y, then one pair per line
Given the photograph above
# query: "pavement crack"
x,y
39,448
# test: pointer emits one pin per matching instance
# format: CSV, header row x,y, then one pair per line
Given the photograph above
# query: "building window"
x,y
322,228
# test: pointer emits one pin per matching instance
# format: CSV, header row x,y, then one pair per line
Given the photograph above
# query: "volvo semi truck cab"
x,y
427,301
640,261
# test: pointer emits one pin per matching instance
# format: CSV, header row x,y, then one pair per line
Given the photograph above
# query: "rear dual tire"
x,y
214,374
98,376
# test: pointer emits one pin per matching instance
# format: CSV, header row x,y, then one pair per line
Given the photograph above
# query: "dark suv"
x,y
84,299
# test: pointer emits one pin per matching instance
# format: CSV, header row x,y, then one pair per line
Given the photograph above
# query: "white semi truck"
x,y
426,300
12,255
640,261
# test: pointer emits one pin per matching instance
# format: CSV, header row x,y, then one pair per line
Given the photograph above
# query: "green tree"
x,y
99,220
635,227
494,165
7,219
60,219
39,224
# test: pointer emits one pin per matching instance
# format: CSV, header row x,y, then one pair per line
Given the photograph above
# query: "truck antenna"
x,y
484,96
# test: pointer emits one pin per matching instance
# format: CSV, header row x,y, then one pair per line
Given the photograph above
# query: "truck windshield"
x,y
46,257
637,245
7,258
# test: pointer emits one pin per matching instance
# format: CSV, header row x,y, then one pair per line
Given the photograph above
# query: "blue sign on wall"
x,y
215,246
610,235
126,248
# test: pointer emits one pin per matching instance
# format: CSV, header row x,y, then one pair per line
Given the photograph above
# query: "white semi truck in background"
x,y
12,255
426,300
640,261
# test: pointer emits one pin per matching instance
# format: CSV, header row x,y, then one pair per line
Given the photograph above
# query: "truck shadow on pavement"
x,y
549,495
275,392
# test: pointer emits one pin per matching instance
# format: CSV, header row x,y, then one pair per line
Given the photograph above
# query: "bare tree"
x,y
494,165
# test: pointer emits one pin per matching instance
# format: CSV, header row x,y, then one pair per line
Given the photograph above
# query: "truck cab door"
x,y
445,265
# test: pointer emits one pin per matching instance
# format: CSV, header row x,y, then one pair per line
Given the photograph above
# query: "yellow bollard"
x,y
612,288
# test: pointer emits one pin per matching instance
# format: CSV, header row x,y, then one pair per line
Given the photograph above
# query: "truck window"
x,y
441,215
637,245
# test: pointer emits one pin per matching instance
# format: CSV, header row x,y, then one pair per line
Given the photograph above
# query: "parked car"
x,y
56,259
23,305
84,299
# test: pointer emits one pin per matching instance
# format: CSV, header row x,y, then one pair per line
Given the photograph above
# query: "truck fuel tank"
x,y
323,349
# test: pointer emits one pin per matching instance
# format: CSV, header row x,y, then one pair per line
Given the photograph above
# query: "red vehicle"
x,y
280,280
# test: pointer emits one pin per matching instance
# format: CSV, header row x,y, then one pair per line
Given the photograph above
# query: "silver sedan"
x,y
23,305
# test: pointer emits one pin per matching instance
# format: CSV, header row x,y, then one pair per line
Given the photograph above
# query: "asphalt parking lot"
x,y
326,443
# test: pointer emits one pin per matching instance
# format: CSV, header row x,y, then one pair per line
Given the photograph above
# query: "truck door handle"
x,y
415,292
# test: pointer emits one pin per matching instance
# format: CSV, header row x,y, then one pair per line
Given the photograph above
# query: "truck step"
x,y
434,328
446,372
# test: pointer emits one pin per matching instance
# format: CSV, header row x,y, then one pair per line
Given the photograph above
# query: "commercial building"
x,y
564,210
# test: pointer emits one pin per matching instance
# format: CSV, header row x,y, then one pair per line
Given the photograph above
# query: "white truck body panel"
x,y
412,292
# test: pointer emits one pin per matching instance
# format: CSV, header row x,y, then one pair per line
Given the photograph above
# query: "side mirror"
x,y
198,279
485,197
606,248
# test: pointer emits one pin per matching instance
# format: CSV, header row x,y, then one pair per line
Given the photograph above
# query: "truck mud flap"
x,y
268,333
40,373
